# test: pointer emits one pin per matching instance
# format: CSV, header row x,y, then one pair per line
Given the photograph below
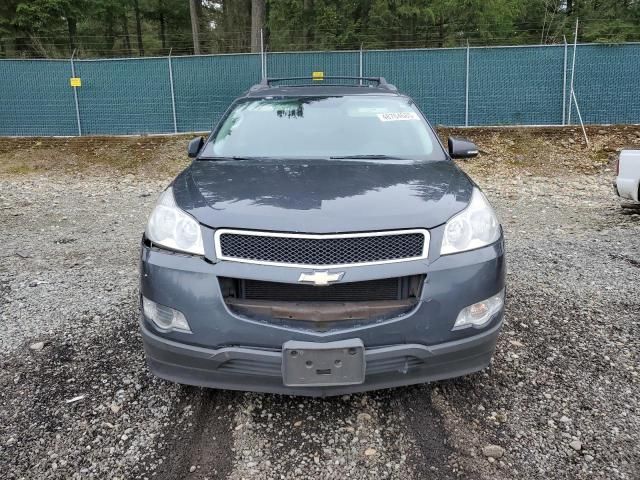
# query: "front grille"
x,y
321,250
387,289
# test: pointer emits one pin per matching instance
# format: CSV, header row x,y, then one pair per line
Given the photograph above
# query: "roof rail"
x,y
268,82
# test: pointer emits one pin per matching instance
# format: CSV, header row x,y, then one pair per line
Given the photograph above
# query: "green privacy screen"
x,y
36,99
476,86
522,86
124,96
607,83
340,64
435,79
206,85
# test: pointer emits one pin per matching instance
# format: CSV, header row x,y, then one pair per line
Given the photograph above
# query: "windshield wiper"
x,y
369,156
237,157
341,157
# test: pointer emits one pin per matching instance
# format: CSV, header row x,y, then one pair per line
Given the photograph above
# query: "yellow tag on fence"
x,y
317,76
75,82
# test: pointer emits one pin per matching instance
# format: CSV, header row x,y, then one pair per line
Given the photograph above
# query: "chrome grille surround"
x,y
417,253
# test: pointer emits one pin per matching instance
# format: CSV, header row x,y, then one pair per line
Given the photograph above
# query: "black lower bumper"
x,y
253,369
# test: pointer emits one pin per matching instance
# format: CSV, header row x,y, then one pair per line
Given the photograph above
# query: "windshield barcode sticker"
x,y
397,117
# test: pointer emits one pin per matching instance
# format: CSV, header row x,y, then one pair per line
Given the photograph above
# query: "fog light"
x,y
479,314
165,318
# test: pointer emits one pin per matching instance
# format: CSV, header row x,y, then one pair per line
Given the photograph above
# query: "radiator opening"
x,y
322,306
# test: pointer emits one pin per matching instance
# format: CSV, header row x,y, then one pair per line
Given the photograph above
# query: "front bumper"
x,y
229,351
259,370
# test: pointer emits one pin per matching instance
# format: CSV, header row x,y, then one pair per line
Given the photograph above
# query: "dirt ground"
x,y
560,400
528,150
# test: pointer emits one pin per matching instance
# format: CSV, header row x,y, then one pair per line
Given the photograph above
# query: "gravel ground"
x,y
561,399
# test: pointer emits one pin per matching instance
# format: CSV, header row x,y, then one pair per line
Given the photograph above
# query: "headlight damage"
x,y
172,228
476,226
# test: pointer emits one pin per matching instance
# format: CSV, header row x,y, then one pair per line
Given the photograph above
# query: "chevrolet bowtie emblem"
x,y
320,278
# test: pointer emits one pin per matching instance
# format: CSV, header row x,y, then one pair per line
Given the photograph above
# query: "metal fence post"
x,y
564,84
263,62
173,97
361,64
584,131
266,73
466,90
75,93
573,70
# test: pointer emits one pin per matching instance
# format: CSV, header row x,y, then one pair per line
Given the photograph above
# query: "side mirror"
x,y
462,148
195,146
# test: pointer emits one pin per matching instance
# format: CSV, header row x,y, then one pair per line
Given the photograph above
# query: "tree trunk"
x,y
110,36
21,44
195,25
125,31
307,13
441,33
73,30
258,11
136,8
163,36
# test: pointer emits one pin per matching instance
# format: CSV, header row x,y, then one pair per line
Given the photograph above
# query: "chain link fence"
x,y
476,86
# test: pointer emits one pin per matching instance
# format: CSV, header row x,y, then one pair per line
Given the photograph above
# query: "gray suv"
x,y
321,242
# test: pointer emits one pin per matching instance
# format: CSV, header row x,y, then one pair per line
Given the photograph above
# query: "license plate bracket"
x,y
323,364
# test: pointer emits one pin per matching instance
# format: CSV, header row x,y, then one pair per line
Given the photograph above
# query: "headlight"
x,y
476,226
172,228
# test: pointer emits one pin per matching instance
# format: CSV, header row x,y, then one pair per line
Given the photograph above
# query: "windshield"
x,y
327,127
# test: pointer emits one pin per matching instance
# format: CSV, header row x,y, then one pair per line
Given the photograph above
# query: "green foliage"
x,y
54,28
232,32
445,23
613,20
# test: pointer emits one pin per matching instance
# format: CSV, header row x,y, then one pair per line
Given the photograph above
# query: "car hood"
x,y
322,196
